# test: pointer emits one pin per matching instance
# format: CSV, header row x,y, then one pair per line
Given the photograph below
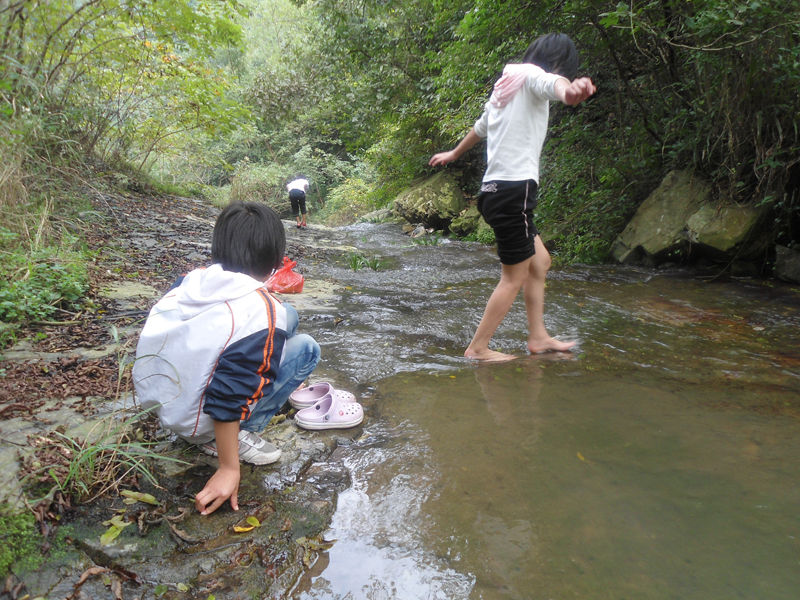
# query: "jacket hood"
x,y
202,289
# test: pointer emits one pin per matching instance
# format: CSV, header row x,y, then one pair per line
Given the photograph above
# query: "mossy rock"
x,y
434,202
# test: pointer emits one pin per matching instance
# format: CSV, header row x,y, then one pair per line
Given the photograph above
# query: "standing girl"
x,y
514,124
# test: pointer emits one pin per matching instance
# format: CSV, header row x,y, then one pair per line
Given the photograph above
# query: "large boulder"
x,y
787,264
657,230
470,222
433,201
680,220
723,229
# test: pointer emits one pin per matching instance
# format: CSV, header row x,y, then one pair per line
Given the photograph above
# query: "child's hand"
x,y
442,158
578,91
223,484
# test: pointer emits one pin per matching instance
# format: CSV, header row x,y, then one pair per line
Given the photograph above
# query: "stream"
x,y
659,460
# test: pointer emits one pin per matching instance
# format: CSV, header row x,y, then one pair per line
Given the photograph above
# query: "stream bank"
x,y
69,383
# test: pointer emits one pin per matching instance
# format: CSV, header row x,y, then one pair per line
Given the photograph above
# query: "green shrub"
x,y
357,261
483,235
349,200
427,240
34,284
219,196
589,188
260,182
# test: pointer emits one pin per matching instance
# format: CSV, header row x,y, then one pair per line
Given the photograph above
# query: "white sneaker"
x,y
253,449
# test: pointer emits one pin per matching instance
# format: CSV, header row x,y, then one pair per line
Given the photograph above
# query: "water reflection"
x,y
534,481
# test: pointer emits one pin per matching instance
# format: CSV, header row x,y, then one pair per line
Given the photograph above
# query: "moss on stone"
x,y
21,541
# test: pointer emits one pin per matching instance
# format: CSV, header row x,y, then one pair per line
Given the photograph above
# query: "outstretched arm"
x,y
224,483
442,158
574,92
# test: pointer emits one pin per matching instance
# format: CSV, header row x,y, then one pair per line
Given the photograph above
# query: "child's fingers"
x,y
200,500
214,506
439,159
207,501
586,86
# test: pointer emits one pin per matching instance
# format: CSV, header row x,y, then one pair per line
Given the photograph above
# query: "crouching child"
x,y
219,355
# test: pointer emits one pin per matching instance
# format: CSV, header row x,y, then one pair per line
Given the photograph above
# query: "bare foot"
x,y
549,345
488,355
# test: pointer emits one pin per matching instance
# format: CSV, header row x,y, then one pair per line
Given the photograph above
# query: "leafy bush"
x,y
259,182
357,261
35,284
218,196
483,235
589,189
348,201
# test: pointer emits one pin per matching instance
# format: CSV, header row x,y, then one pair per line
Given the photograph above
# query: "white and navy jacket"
x,y
209,350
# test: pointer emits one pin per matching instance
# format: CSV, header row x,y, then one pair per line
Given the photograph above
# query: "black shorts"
x,y
507,206
298,200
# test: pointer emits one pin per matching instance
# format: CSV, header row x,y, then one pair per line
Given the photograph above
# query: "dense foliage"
x,y
379,87
122,82
237,96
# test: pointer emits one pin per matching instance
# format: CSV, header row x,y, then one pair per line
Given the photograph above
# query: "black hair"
x,y
555,53
248,238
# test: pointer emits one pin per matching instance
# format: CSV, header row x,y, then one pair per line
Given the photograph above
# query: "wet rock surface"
x,y
72,379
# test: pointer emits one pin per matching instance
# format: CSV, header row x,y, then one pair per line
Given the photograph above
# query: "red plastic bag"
x,y
286,281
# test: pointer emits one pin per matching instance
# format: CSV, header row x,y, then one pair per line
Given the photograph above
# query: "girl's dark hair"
x,y
248,238
555,53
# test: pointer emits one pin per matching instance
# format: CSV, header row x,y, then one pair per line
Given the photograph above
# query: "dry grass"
x,y
30,221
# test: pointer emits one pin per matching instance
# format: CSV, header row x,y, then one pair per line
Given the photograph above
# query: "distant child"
x,y
514,123
297,197
219,355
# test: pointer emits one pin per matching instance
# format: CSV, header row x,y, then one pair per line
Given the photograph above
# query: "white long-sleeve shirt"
x,y
210,349
515,133
298,184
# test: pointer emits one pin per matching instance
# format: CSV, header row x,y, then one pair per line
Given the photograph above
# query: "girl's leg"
x,y
533,291
512,278
300,357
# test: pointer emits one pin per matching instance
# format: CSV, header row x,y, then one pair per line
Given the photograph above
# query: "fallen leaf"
x,y
89,573
116,588
182,535
253,521
243,528
132,497
115,526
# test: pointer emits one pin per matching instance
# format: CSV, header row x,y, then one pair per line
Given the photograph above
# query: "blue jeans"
x,y
300,356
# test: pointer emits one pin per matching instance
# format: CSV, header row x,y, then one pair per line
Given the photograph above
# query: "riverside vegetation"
x,y
229,99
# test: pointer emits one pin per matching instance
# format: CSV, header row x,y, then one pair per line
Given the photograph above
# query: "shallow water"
x,y
658,461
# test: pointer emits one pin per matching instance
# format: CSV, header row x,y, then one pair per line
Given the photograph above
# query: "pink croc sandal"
x,y
330,413
309,396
